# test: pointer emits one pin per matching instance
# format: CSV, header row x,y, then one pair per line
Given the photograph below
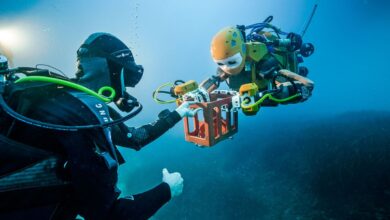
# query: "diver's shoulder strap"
x,y
96,106
101,112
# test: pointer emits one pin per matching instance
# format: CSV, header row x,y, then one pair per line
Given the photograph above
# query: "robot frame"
x,y
218,119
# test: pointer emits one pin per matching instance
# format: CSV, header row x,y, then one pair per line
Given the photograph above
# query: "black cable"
x,y
178,82
46,125
29,71
268,19
46,65
309,21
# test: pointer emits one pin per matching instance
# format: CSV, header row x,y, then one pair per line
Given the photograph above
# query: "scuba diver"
x,y
58,138
262,58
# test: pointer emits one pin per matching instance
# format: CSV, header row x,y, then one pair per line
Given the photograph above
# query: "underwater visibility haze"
x,y
325,158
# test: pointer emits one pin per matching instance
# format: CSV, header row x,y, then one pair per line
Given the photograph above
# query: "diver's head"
x,y
228,50
104,60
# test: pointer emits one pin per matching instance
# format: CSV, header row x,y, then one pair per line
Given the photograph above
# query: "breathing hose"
x,y
72,85
158,90
269,96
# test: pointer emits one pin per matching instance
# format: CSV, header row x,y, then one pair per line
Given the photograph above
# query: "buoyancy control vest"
x,y
31,176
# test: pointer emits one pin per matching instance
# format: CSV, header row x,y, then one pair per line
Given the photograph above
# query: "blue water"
x,y
314,160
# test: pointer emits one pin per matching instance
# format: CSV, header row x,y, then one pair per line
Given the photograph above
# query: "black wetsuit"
x,y
91,158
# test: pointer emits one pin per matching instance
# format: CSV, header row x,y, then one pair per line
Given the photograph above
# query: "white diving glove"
x,y
184,110
174,180
198,95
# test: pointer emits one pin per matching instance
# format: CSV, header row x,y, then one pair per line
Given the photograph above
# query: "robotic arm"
x,y
296,84
213,82
202,92
290,88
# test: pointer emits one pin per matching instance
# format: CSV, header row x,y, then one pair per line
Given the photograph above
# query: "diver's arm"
x,y
136,138
213,82
141,206
144,205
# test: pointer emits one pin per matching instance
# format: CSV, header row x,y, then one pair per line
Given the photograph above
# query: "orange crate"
x,y
215,125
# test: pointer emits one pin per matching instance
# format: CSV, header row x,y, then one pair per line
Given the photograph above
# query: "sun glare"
x,y
10,38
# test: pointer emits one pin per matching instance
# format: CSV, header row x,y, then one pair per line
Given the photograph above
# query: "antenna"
x,y
309,20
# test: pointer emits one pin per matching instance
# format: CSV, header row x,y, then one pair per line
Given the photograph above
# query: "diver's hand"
x,y
198,95
175,182
184,110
